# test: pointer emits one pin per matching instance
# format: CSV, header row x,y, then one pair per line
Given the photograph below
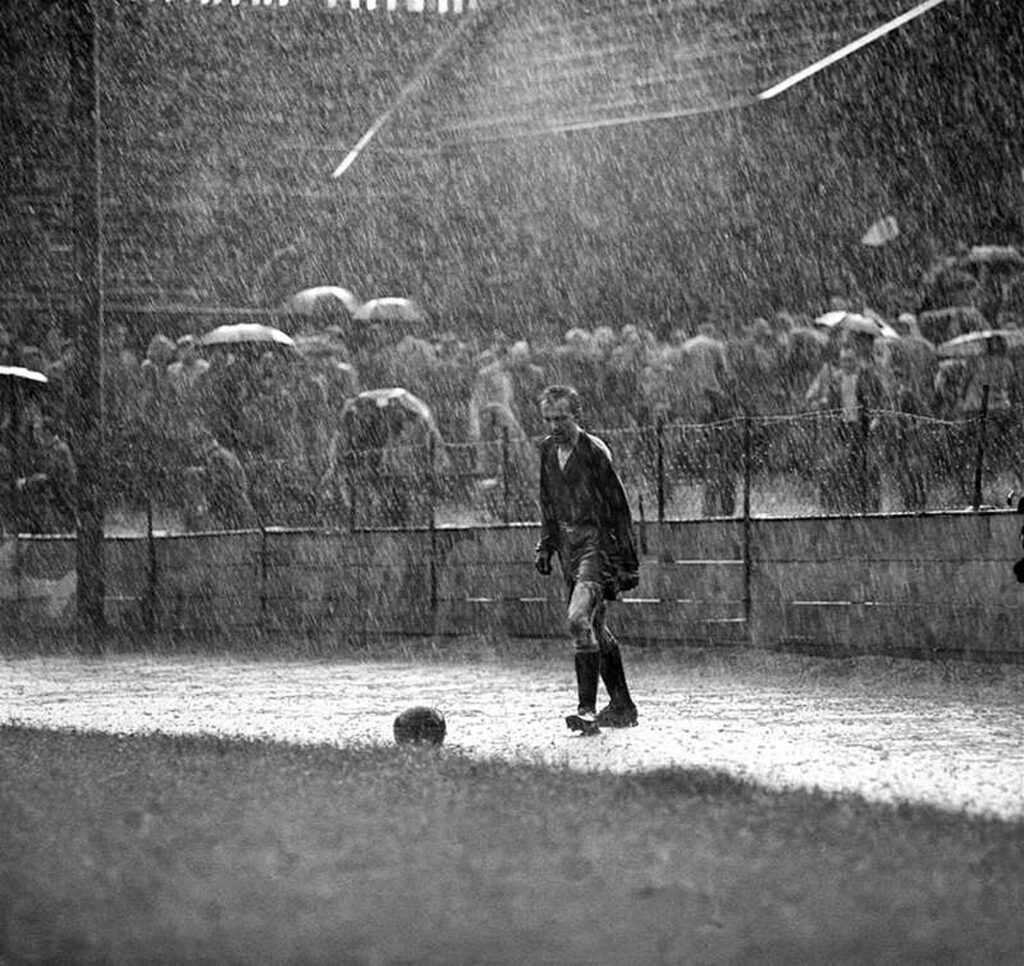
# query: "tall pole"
x,y
748,472
87,428
979,459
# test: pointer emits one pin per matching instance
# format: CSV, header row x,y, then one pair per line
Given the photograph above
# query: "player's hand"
x,y
542,563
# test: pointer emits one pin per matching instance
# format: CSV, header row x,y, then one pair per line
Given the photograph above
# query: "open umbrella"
x,y
884,230
831,319
853,322
979,343
321,299
20,372
939,325
247,332
392,396
997,257
390,309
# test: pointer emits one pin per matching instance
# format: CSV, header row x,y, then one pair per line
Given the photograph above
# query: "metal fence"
x,y
810,464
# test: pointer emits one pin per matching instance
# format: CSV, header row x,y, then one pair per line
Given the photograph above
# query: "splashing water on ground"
x,y
954,752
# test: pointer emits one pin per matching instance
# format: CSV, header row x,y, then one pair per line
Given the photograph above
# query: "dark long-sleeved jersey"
x,y
586,490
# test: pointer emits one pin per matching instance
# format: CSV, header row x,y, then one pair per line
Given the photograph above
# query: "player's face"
x,y
559,420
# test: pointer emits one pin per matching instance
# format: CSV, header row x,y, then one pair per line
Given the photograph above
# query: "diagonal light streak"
x,y
734,103
843,52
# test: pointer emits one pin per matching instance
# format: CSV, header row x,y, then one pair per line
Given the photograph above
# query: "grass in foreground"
x,y
199,850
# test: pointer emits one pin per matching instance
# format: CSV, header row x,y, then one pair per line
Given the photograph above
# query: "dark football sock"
x,y
614,676
587,674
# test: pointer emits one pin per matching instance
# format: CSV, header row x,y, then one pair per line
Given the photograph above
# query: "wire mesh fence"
x,y
808,464
805,464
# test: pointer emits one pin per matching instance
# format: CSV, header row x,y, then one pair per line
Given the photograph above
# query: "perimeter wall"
x,y
939,585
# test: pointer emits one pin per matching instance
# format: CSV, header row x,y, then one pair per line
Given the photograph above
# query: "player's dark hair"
x,y
556,393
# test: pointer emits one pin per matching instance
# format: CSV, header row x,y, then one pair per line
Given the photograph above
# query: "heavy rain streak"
x,y
511,481
282,283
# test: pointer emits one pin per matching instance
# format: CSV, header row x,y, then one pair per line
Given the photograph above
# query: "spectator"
x,y
187,368
506,463
852,392
995,370
714,394
528,380
46,484
493,386
909,444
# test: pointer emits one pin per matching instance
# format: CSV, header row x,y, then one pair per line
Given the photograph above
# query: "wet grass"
x,y
167,849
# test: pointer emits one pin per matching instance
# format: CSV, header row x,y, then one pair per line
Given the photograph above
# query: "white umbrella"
x,y
884,230
390,309
1004,257
852,322
246,332
321,298
393,395
978,343
831,319
20,372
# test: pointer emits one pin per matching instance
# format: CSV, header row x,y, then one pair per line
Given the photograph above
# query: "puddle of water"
x,y
885,746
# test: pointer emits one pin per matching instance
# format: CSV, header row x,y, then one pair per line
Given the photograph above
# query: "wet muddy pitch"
x,y
955,748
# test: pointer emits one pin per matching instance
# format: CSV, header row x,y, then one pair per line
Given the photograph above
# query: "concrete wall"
x,y
933,585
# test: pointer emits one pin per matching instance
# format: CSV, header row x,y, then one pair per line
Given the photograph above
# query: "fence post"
x,y
351,487
863,423
431,487
659,431
263,577
19,590
980,458
505,462
643,522
149,605
747,561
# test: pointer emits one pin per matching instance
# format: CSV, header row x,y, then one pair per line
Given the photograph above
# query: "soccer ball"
x,y
420,725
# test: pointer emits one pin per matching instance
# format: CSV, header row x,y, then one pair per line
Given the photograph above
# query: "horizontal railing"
x,y
934,584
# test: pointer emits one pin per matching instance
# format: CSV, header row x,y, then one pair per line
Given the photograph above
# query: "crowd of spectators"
x,y
243,434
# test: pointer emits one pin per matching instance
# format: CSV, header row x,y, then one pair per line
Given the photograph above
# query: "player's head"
x,y
560,410
560,393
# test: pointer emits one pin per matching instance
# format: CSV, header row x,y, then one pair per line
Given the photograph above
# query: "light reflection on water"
x,y
888,746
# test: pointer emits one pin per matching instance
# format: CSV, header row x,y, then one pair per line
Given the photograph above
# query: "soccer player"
x,y
585,520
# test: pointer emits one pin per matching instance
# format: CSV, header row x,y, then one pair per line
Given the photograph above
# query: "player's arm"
x,y
548,544
618,518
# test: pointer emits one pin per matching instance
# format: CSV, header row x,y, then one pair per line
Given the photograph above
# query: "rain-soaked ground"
x,y
952,747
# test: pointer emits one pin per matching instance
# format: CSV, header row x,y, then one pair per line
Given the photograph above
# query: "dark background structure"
x,y
519,189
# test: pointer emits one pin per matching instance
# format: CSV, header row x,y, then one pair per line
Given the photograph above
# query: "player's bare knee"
x,y
584,644
579,628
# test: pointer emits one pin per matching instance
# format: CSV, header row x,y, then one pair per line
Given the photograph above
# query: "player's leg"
x,y
587,656
620,712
